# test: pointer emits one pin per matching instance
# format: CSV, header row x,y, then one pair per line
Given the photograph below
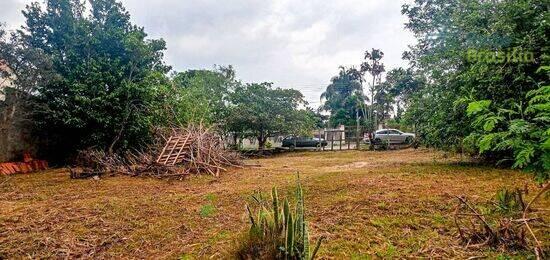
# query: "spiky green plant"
x,y
279,230
509,201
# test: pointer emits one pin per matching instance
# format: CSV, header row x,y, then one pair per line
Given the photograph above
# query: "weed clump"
x,y
277,231
502,224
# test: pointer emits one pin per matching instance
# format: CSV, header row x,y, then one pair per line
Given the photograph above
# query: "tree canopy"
x,y
201,96
344,97
260,111
512,37
103,93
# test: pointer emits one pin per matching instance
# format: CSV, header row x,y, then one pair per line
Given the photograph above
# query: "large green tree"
x,y
344,97
260,111
104,94
201,96
403,84
448,32
383,104
373,65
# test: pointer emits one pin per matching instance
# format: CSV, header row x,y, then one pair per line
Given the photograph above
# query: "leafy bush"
x,y
518,133
440,57
276,231
385,144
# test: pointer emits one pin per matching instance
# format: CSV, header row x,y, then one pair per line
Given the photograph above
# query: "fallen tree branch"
x,y
538,248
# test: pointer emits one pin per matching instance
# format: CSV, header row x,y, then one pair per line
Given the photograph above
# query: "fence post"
x,y
340,139
357,130
348,133
332,141
325,137
320,140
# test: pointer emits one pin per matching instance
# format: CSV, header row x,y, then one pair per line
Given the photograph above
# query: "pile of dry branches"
x,y
509,233
198,150
176,153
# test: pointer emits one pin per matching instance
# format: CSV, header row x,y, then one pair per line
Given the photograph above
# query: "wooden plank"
x,y
164,149
169,152
181,149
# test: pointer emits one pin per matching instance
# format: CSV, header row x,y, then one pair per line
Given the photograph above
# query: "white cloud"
x,y
292,43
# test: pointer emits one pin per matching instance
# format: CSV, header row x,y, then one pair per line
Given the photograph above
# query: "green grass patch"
x,y
207,210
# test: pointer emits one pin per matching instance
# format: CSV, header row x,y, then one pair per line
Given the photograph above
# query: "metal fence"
x,y
342,138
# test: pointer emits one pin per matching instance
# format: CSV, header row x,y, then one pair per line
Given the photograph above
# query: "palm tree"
x,y
375,68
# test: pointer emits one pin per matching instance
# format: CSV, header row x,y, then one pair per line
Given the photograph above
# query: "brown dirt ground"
x,y
368,204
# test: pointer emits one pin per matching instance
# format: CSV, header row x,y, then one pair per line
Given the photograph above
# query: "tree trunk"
x,y
235,141
261,142
7,132
4,144
372,115
262,138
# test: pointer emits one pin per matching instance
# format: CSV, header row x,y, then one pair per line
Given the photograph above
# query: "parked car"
x,y
293,142
393,136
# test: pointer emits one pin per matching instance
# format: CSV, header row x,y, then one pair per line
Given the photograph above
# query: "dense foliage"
x,y
96,80
346,101
200,96
485,51
344,98
260,111
106,69
517,134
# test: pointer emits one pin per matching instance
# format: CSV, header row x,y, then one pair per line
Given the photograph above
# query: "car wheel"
x,y
408,140
377,141
292,147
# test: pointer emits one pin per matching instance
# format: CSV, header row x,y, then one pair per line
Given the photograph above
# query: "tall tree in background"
x,y
383,103
260,111
202,95
344,97
104,93
374,66
403,84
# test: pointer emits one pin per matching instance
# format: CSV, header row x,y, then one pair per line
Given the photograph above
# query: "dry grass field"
x,y
390,204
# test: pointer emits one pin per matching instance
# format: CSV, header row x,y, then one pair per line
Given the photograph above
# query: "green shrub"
x,y
277,231
385,145
518,134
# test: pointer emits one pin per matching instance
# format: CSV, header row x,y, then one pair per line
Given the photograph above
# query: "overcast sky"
x,y
297,44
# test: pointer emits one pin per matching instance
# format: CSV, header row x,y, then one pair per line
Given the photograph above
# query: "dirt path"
x,y
385,204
